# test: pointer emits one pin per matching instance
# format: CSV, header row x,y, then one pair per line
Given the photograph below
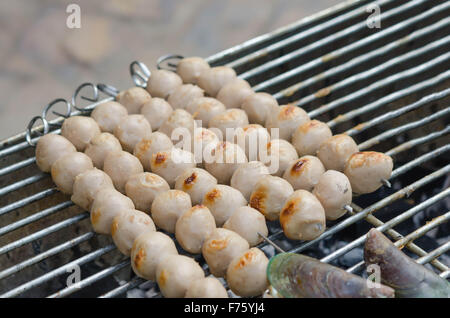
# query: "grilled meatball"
x,y
222,201
162,83
108,115
143,187
66,168
252,138
204,141
100,146
365,170
169,164
190,68
120,166
133,99
258,106
145,148
229,120
233,93
277,156
196,182
220,248
226,158
167,208
246,274
156,111
308,137
50,148
148,250
247,175
178,119
302,217
106,205
208,287
131,130
286,119
334,192
269,195
79,130
304,173
205,108
127,226
183,95
335,151
247,222
193,227
214,78
175,273
86,186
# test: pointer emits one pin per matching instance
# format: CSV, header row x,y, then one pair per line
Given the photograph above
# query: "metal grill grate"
x,y
388,88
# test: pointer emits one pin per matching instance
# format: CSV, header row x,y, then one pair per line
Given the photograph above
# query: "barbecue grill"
x,y
386,87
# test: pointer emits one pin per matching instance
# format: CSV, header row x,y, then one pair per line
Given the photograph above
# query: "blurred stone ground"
x,y
41,59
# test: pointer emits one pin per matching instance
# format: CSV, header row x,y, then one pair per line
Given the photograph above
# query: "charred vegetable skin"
x,y
298,276
408,278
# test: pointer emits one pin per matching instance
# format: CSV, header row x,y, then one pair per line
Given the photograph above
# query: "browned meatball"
x,y
308,137
131,130
143,187
196,182
304,173
286,120
222,201
145,148
169,164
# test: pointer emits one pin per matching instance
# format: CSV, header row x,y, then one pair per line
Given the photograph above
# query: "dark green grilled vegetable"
x,y
408,278
293,275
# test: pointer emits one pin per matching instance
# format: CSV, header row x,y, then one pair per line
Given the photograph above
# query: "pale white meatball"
x,y
107,204
156,111
108,115
228,121
100,146
196,182
248,222
204,141
86,186
148,250
222,201
175,273
226,158
190,68
214,78
178,119
66,168
367,169
209,287
169,164
143,187
269,195
252,138
167,208
308,137
246,274
145,148
302,217
120,166
334,192
304,173
234,93
133,99
277,156
247,175
79,130
162,83
193,227
131,130
286,119
220,248
205,108
183,95
127,226
258,106
50,148
335,151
